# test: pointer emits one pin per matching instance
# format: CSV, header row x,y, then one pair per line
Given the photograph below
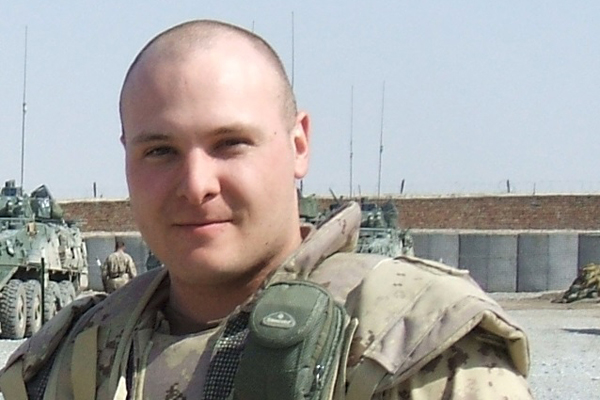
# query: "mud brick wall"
x,y
100,215
560,212
503,212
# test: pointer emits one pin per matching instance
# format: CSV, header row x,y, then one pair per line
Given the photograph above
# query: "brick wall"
x,y
100,215
563,212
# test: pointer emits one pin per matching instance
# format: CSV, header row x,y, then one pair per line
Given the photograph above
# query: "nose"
x,y
198,177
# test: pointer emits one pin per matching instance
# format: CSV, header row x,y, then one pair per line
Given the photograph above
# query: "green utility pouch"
x,y
294,344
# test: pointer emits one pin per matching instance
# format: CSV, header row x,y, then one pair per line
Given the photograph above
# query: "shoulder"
x,y
345,272
426,305
120,307
476,366
39,349
93,310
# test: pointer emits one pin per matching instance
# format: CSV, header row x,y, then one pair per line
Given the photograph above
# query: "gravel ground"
x,y
565,344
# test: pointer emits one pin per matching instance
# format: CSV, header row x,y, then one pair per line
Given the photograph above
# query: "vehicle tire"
x,y
13,310
67,291
33,290
51,301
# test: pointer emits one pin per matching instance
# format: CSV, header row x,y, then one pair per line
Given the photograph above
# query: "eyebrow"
x,y
150,137
235,128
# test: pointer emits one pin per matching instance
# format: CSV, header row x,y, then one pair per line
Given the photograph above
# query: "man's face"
x,y
211,163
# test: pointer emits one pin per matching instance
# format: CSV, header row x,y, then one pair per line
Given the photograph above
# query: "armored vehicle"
x,y
379,232
43,260
308,208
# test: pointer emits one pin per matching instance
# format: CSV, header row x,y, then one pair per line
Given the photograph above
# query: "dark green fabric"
x,y
293,347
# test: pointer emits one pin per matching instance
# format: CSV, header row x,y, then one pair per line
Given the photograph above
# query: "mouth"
x,y
202,225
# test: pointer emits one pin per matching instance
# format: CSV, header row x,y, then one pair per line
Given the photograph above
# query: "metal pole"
x,y
351,136
381,142
24,110
292,51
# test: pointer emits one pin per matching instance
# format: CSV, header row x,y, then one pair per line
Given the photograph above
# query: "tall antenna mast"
x,y
381,141
351,133
292,77
24,110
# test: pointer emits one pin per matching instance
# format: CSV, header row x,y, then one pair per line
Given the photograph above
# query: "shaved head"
x,y
177,43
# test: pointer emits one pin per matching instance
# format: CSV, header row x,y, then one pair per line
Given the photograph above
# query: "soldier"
x,y
118,268
248,304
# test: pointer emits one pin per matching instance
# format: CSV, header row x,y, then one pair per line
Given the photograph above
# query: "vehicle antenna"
x,y
24,109
292,77
351,133
381,141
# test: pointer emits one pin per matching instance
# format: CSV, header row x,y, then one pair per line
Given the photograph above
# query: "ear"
x,y
300,142
122,139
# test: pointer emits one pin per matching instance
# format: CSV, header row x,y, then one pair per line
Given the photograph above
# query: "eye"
x,y
232,144
159,151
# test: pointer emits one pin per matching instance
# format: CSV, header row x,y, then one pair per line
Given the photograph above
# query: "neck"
x,y
193,308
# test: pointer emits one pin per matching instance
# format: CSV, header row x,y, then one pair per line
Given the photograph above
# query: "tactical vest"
x,y
402,313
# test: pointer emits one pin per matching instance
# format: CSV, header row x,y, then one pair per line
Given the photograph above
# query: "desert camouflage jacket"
x,y
421,330
118,264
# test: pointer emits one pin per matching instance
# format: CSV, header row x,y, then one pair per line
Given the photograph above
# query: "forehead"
x,y
227,74
222,57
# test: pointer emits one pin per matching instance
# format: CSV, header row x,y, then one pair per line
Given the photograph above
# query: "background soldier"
x,y
118,268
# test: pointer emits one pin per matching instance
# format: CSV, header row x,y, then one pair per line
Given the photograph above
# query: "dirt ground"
x,y
543,301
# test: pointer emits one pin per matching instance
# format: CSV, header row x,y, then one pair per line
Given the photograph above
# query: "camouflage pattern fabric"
x,y
472,368
585,286
117,270
424,331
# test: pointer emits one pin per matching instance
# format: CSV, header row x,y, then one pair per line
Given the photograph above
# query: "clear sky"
x,y
476,92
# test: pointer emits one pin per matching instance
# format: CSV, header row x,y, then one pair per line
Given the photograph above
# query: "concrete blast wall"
x,y
499,262
589,249
509,262
491,260
98,248
546,261
437,246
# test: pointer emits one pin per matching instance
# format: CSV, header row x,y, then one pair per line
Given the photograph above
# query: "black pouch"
x,y
293,346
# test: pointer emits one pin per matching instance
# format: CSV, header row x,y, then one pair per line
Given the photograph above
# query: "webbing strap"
x,y
83,365
12,384
365,380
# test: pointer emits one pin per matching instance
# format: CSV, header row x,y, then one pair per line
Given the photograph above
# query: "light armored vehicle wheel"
x,y
33,290
13,310
67,291
51,301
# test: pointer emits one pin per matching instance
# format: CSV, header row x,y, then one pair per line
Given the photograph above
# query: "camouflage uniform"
x,y
586,285
420,330
117,270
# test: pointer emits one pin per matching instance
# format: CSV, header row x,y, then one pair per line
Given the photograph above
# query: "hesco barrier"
x,y
589,248
437,246
499,261
491,260
546,261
